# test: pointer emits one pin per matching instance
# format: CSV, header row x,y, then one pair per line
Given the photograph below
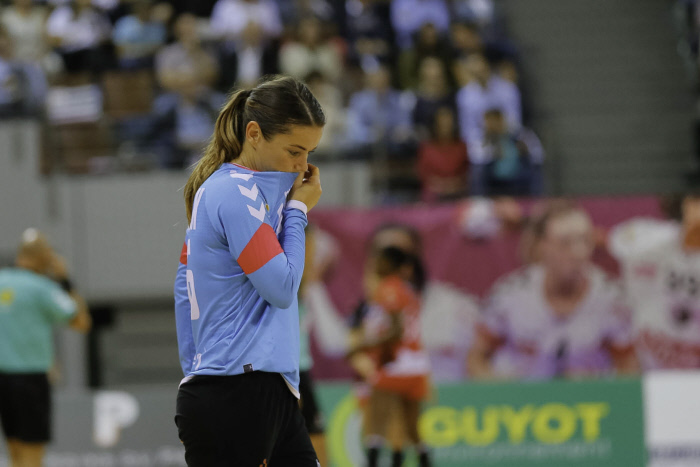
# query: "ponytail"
x,y
276,104
224,146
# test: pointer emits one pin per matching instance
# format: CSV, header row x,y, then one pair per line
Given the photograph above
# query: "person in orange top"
x,y
399,369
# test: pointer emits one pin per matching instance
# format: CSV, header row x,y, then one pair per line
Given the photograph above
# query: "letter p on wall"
x,y
112,412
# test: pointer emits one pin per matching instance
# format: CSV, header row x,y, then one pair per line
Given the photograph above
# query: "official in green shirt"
x,y
35,295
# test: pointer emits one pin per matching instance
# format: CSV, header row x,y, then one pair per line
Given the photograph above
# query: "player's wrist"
x,y
296,204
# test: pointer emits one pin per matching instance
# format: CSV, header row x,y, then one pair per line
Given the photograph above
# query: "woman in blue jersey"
x,y
236,288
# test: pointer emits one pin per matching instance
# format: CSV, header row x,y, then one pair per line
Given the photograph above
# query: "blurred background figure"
x,y
230,17
310,51
81,34
25,22
183,116
310,408
408,16
22,83
248,59
559,317
366,30
332,142
443,163
138,36
428,43
515,159
35,295
432,93
484,91
380,115
661,272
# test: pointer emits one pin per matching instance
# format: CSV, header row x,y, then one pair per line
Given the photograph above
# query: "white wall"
x,y
121,234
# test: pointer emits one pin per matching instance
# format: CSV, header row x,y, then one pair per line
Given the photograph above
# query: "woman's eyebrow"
x,y
300,147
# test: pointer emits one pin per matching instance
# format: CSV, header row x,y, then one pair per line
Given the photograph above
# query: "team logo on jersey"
x,y
7,296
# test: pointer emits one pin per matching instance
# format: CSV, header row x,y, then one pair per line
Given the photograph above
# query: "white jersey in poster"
x,y
535,343
662,282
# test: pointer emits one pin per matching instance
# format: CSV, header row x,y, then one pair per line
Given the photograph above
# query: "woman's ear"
x,y
253,133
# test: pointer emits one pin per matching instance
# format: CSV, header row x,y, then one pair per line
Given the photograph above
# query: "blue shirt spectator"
x,y
407,16
23,85
380,113
485,92
138,36
367,31
182,125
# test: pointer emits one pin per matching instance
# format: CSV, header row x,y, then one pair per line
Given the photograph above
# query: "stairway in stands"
x,y
612,99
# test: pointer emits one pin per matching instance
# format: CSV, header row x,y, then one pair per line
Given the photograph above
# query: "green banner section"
x,y
557,424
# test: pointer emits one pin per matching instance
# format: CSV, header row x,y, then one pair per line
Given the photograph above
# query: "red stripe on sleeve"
x,y
260,249
183,254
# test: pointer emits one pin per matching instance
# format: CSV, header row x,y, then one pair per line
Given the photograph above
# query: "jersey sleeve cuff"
x,y
295,204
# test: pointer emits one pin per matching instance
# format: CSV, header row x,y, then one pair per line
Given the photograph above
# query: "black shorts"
x,y
309,406
25,407
248,420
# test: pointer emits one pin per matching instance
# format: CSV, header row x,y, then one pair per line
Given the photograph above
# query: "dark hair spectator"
x,y
429,43
408,16
432,93
81,35
230,17
368,30
332,142
25,22
484,91
443,164
138,36
185,63
248,59
310,51
515,158
379,116
22,84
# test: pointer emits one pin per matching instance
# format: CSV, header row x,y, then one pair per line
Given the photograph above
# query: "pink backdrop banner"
x,y
450,255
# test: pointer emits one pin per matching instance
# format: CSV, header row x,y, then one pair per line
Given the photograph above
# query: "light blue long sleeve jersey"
x,y
236,286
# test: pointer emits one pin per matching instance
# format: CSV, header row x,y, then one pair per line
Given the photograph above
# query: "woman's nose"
x,y
302,166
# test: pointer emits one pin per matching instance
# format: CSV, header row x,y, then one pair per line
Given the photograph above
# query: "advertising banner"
x,y
541,424
558,424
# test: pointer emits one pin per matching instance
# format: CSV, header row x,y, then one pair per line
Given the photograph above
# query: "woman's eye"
x,y
294,153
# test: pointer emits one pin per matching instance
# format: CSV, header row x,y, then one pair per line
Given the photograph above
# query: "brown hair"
x,y
276,104
536,227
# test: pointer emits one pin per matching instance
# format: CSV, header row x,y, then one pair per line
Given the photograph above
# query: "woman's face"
x,y
567,246
286,152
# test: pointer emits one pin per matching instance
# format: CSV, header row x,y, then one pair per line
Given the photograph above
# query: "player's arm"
x,y
274,266
358,359
81,322
619,337
625,360
67,302
489,334
183,320
391,336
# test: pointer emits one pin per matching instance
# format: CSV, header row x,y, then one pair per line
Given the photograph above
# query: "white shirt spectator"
x,y
473,101
85,31
27,33
230,17
298,60
105,5
408,16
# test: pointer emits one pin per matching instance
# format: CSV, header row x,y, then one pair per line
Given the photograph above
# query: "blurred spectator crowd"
x,y
425,90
